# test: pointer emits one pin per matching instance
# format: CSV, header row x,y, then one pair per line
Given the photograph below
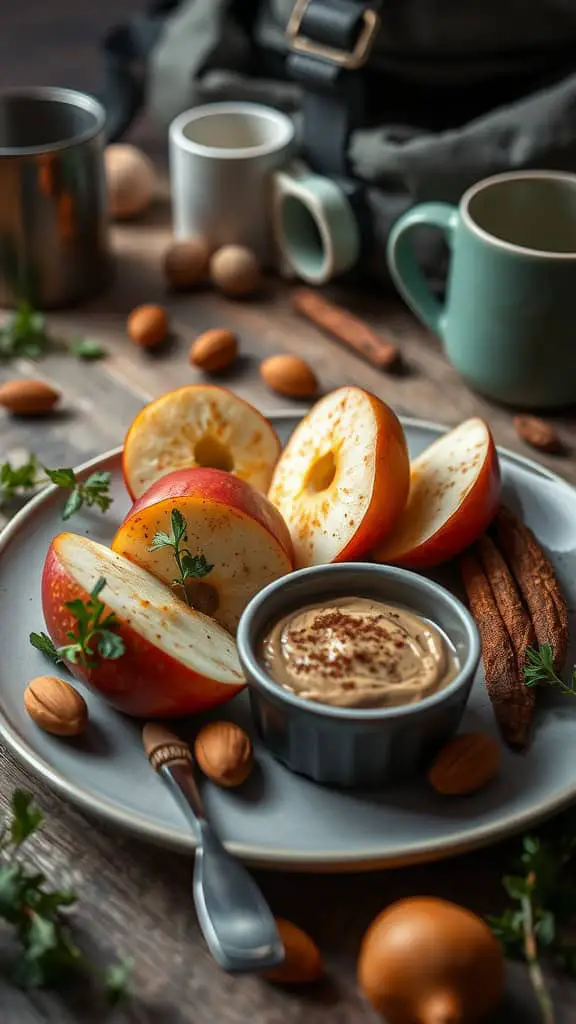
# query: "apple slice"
x,y
199,425
454,495
239,532
342,480
176,661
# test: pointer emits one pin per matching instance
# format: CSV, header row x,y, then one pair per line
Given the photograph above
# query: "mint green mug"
x,y
508,323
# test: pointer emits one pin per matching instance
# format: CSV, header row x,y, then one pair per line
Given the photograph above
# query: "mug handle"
x,y
402,264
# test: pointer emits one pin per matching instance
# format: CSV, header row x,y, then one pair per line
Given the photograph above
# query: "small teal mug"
x,y
508,323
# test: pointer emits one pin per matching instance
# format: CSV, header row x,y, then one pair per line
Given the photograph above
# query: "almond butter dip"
x,y
356,652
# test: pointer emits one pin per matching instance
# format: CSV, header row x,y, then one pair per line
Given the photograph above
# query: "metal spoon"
x,y
235,919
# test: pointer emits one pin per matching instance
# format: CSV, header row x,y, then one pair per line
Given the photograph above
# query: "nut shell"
x,y
28,397
467,763
223,751
290,376
147,326
131,180
56,706
303,962
235,271
214,350
186,263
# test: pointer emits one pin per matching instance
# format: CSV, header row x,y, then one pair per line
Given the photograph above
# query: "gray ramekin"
x,y
352,746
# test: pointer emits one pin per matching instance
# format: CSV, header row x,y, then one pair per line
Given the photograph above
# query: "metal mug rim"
x,y
71,97
258,677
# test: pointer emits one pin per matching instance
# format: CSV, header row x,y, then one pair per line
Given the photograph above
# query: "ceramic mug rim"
x,y
496,179
55,94
281,121
258,677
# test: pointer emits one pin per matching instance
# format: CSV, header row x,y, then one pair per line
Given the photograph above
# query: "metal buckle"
x,y
351,60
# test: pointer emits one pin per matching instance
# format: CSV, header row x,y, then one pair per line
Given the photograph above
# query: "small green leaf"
x,y
10,888
61,477
78,609
101,478
546,928
73,504
26,817
43,643
515,886
41,936
86,348
110,645
195,566
178,524
117,979
161,540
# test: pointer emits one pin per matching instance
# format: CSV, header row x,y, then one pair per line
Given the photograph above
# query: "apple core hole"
x,y
203,597
322,473
210,453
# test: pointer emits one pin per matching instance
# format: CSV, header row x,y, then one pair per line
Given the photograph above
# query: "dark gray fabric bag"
x,y
455,90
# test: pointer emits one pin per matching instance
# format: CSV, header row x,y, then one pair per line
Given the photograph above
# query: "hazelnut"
x,y
56,706
235,271
147,326
186,263
214,350
131,180
223,751
302,962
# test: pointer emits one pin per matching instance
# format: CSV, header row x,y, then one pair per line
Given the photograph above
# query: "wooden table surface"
x,y
136,900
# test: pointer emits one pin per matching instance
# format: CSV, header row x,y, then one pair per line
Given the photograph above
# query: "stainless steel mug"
x,y
53,219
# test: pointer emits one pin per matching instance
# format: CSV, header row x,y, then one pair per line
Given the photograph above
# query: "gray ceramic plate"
x,y
279,820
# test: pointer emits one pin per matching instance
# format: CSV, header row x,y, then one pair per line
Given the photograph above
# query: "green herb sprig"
x,y
24,335
189,566
17,480
43,643
36,912
93,637
540,669
95,490
536,926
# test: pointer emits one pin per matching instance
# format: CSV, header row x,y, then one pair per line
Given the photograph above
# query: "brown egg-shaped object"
x,y
428,961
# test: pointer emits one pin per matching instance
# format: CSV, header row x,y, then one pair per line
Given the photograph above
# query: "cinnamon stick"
x,y
347,328
537,582
512,700
509,600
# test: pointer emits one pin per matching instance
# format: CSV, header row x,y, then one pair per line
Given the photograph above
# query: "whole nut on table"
x,y
147,326
28,397
214,350
290,376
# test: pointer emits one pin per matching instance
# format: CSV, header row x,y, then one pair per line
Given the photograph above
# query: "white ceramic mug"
x,y
233,183
221,157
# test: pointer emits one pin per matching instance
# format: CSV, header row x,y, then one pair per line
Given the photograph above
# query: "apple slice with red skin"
x,y
342,480
176,661
199,425
239,532
454,495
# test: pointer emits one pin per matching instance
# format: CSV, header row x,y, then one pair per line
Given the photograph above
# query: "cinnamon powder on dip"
x,y
359,653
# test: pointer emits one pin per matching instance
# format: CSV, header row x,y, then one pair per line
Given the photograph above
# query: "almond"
x,y
214,350
465,764
147,326
56,706
28,397
223,751
289,375
537,433
303,960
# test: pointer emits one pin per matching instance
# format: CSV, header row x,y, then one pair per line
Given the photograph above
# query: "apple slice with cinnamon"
x,y
342,480
454,495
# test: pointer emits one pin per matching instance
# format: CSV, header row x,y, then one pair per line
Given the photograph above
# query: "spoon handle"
x,y
235,919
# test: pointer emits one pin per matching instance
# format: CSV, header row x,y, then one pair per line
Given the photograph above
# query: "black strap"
x,y
125,50
333,96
